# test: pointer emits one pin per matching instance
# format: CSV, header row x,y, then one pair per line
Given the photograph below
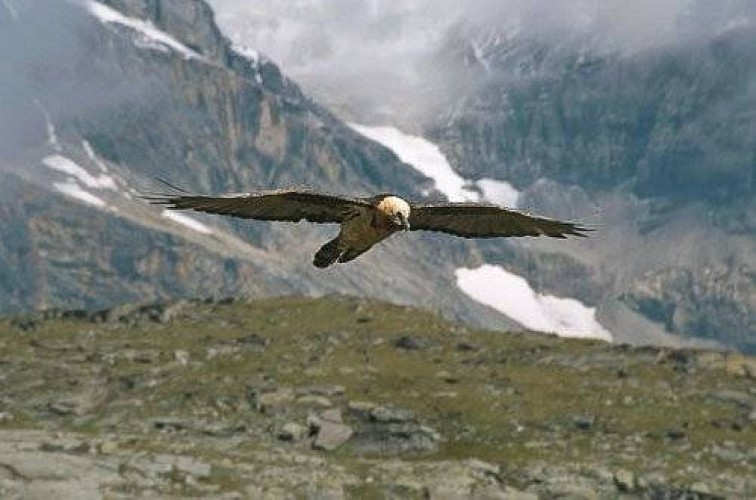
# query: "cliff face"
x,y
107,96
672,122
134,90
225,113
655,147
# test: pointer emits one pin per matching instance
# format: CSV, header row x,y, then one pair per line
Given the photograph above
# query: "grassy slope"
x,y
505,398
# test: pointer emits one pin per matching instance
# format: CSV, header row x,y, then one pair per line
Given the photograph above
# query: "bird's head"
x,y
397,211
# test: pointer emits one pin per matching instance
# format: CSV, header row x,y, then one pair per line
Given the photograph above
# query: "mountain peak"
x,y
192,22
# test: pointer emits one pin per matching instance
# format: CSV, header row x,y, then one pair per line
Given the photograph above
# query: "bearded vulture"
x,y
367,221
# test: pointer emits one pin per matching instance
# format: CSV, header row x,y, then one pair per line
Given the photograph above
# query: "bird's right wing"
x,y
291,205
474,220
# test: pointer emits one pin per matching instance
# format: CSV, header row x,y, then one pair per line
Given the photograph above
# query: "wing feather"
x,y
472,220
292,205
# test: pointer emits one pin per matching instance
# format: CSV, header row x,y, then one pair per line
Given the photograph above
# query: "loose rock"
x,y
411,343
328,391
292,432
584,422
332,415
624,480
276,399
318,401
332,435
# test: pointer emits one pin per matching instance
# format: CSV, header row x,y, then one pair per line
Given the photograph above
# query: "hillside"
x,y
133,90
653,146
343,397
105,96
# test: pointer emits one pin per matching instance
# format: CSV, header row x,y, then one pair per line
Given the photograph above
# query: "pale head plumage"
x,y
396,210
393,205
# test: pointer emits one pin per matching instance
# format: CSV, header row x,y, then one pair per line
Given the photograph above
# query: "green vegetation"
x,y
162,375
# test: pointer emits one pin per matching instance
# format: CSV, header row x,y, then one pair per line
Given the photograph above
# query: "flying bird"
x,y
367,221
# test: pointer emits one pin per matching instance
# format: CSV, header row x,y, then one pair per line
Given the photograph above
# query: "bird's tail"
x,y
328,254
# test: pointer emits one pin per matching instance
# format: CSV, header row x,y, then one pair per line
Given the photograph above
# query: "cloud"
x,y
376,49
50,77
31,47
303,31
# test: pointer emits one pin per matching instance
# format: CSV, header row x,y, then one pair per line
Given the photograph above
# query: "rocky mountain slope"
x,y
122,92
106,96
653,146
636,119
344,398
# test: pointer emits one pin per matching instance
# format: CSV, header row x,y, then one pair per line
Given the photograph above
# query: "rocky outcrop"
x,y
652,147
302,397
576,114
704,303
192,22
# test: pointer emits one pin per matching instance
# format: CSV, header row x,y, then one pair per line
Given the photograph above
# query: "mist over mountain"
x,y
635,119
376,53
656,145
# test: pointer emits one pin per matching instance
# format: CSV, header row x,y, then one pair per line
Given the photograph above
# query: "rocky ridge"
x,y
631,141
342,397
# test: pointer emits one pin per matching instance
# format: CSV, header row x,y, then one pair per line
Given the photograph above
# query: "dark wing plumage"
x,y
472,220
291,205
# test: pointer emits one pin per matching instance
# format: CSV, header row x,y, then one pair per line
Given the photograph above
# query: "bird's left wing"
x,y
473,220
291,205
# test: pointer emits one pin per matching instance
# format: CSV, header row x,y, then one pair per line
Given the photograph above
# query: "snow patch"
x,y
254,59
423,155
125,190
192,224
92,156
52,136
62,164
72,189
513,296
151,37
427,158
251,54
498,192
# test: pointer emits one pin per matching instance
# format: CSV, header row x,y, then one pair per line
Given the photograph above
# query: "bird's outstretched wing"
x,y
291,205
473,220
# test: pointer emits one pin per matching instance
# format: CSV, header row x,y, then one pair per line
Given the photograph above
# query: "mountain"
x,y
637,120
350,398
107,96
655,147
